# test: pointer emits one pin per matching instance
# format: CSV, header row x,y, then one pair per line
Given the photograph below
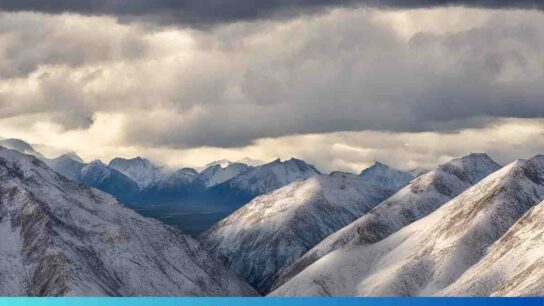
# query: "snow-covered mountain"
x,y
100,176
513,266
140,170
275,229
386,176
218,174
268,177
421,197
60,238
250,162
68,165
180,183
443,251
21,146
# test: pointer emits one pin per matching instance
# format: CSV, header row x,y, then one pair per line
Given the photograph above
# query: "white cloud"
x,y
104,88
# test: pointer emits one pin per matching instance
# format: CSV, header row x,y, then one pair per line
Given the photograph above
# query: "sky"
x,y
340,84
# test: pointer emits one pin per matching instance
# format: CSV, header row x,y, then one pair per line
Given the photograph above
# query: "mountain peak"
x,y
384,174
139,169
474,166
97,162
72,156
20,146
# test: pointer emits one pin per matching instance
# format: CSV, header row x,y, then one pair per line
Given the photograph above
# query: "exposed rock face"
x,y
61,238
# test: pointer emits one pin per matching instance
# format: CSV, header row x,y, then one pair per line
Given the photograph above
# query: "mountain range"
x,y
272,231
460,249
468,227
422,196
62,238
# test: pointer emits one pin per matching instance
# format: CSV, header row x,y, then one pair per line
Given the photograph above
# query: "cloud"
x,y
343,70
505,140
205,12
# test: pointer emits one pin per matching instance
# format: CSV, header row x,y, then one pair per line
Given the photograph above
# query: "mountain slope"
x,y
275,229
180,183
62,238
386,176
140,170
220,173
421,197
21,146
97,174
68,165
513,266
242,188
431,254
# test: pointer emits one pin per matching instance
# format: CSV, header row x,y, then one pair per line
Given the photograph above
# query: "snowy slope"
x,y
69,165
273,230
62,238
179,183
387,176
513,266
218,174
268,177
21,146
140,170
422,196
99,175
433,253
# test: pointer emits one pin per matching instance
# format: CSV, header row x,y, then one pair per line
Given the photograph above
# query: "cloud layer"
x,y
204,12
342,71
261,88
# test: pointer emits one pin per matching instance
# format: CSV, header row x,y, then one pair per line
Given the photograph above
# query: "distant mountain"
x,y
140,170
217,174
21,146
60,238
421,197
250,162
386,176
275,229
445,252
181,183
268,177
100,176
69,165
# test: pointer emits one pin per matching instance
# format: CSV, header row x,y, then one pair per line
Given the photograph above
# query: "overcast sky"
x,y
337,83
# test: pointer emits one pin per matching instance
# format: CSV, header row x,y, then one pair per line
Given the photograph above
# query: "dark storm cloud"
x,y
218,11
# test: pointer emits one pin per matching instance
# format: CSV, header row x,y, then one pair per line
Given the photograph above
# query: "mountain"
x,y
432,254
387,176
218,174
421,197
69,165
264,179
21,146
100,176
60,238
140,170
73,156
275,229
222,162
180,183
250,162
513,266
